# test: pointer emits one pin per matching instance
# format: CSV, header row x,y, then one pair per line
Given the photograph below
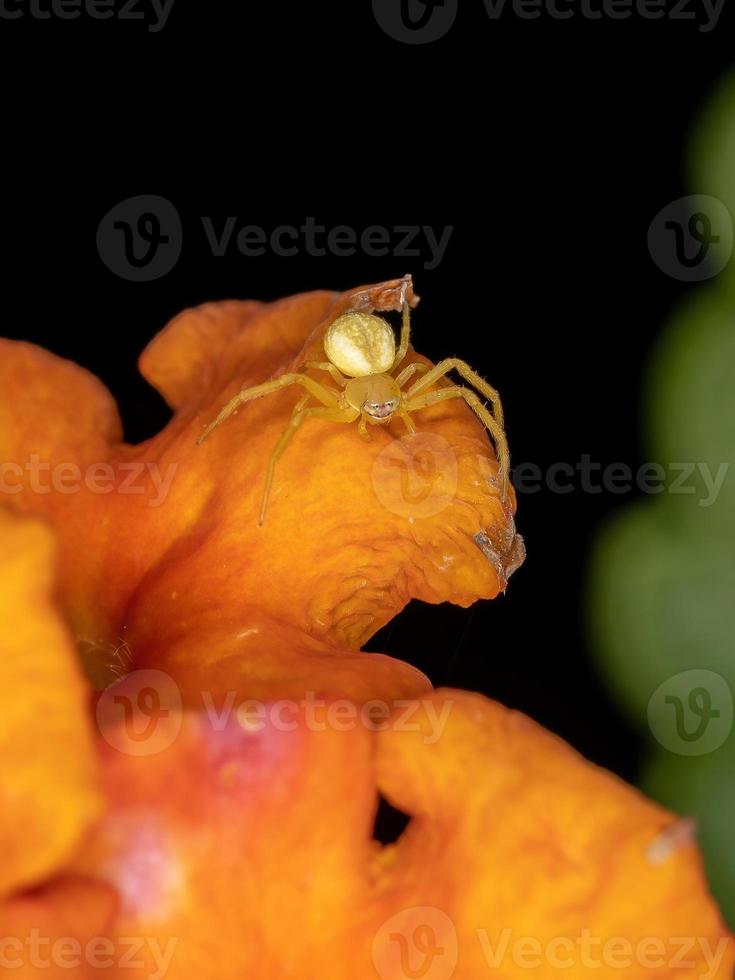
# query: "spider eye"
x,y
381,410
359,344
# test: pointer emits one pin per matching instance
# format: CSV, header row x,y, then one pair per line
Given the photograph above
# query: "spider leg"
x,y
408,422
408,372
332,413
462,368
327,366
481,411
362,429
405,335
322,394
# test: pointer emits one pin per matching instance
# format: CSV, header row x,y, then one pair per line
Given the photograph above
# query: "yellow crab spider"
x,y
361,360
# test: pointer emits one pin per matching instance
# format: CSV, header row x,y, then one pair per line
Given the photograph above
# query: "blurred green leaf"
x,y
711,160
661,601
662,577
690,407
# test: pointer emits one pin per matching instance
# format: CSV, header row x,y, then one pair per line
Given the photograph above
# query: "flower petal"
x,y
247,845
354,529
48,793
242,850
518,838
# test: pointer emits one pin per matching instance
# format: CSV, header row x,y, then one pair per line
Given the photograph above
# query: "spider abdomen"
x,y
360,344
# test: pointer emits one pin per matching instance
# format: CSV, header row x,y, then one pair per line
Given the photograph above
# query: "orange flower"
x,y
203,839
172,565
242,846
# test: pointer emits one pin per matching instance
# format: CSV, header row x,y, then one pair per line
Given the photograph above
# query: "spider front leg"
x,y
331,414
322,394
408,372
462,368
405,335
327,366
480,410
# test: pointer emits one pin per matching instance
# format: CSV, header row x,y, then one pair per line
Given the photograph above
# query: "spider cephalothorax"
x,y
362,360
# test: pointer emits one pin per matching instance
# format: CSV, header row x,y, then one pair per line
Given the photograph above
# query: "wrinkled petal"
x,y
354,529
245,848
48,792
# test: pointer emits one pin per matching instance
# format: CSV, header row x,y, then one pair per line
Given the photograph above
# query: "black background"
x,y
548,145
